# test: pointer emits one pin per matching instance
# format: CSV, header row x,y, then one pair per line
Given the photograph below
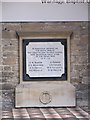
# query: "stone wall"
x,y
9,60
89,65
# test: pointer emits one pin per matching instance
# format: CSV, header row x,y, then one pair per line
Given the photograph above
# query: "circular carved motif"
x,y
45,97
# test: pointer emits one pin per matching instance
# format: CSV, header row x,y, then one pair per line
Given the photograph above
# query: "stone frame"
x,y
45,93
44,35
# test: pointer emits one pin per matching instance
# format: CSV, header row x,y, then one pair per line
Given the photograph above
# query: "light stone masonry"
x,y
9,51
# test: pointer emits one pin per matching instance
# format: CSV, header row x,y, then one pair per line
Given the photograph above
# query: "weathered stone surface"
x,y
7,68
1,60
79,51
10,80
1,68
11,26
7,74
8,86
9,48
7,99
32,26
9,34
59,94
9,60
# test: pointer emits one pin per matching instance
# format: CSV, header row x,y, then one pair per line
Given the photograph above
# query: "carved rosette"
x,y
45,97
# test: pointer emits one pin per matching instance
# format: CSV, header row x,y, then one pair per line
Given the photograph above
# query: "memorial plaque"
x,y
44,59
44,70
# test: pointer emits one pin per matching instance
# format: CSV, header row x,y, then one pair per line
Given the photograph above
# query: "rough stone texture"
x,y
79,57
89,65
1,68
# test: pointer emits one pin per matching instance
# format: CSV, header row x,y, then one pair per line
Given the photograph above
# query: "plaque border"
x,y
45,35
26,77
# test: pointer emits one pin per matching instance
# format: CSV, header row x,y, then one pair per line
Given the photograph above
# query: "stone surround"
x,y
9,60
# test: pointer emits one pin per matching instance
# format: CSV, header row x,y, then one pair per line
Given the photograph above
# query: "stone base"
x,y
45,94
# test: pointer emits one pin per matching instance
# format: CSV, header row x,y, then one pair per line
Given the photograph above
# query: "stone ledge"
x,y
60,95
